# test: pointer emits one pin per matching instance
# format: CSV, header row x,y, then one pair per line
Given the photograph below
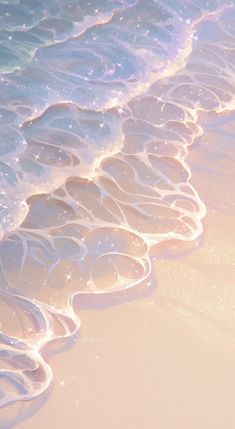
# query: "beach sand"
x,y
164,360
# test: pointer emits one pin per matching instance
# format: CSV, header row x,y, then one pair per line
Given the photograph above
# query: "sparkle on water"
x,y
99,106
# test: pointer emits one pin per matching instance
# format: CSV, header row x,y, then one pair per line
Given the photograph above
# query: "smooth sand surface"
x,y
163,361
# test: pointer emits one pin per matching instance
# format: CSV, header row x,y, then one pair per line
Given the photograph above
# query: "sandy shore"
x,y
165,360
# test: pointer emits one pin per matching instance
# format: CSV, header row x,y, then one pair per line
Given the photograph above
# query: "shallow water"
x,y
100,103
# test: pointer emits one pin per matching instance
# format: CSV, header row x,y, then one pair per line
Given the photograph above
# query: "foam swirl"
x,y
98,108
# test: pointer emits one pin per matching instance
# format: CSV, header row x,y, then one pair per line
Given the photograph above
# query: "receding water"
x,y
99,107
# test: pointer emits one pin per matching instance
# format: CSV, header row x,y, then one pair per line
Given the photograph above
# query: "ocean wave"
x,y
98,108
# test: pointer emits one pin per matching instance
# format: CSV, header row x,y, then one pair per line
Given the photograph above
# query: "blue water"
x,y
99,106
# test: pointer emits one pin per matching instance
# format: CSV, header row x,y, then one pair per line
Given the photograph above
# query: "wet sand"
x,y
165,360
99,110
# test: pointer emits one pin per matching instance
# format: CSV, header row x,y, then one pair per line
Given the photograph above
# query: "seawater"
x,y
99,107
